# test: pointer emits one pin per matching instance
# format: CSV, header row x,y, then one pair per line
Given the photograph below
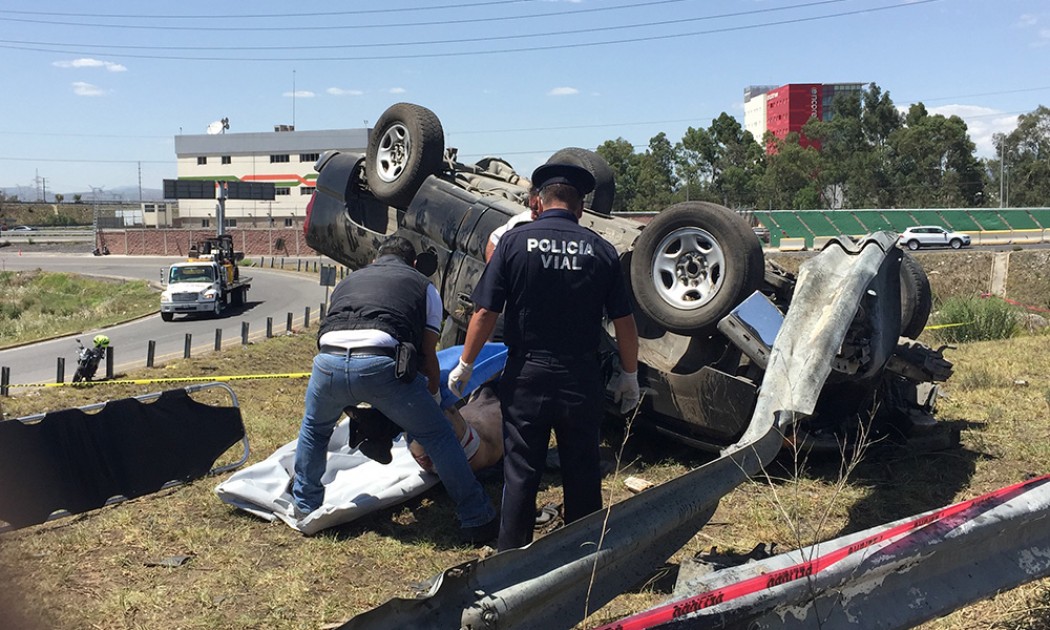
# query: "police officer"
x,y
554,281
374,311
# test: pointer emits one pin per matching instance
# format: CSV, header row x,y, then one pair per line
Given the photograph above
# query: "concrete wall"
x,y
176,242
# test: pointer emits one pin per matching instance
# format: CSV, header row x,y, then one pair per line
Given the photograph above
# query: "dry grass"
x,y
92,571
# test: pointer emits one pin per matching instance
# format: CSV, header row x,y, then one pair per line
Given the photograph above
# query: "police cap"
x,y
575,176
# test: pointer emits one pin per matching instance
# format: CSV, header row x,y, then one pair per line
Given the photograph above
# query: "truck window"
x,y
191,274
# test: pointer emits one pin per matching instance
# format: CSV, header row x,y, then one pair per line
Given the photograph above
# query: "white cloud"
x,y
300,94
981,122
337,91
1028,19
87,62
86,89
398,90
563,91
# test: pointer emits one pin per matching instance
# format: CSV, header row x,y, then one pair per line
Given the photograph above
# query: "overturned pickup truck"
x,y
708,303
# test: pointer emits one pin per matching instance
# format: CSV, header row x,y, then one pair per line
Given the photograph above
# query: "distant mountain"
x,y
120,193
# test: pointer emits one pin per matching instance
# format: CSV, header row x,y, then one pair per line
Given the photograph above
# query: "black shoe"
x,y
480,535
378,450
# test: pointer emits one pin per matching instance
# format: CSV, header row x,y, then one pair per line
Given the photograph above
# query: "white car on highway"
x,y
932,236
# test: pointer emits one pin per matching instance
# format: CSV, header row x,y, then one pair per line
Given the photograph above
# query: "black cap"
x,y
575,176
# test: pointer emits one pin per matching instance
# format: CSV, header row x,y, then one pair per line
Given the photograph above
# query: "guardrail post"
x,y
60,377
299,265
218,339
269,327
288,325
151,351
186,346
306,317
320,311
244,333
5,380
109,362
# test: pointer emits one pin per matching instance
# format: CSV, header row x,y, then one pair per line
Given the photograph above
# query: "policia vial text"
x,y
559,254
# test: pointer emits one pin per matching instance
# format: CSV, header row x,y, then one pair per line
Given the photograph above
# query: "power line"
x,y
44,47
311,15
448,22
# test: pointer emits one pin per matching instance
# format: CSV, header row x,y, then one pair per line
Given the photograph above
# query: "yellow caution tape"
x,y
936,326
177,379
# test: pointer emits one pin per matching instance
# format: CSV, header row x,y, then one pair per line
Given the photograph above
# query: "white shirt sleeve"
x,y
435,310
516,220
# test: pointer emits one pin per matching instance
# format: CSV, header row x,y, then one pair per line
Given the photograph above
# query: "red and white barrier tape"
x,y
1027,307
669,612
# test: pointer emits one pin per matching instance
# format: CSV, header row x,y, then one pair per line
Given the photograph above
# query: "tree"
x,y
59,197
655,181
77,199
620,155
791,180
1027,161
853,152
933,162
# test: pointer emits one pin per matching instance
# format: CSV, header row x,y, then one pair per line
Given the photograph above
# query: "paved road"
x,y
273,294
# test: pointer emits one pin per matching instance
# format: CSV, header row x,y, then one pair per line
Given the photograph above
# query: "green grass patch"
x,y
36,305
970,318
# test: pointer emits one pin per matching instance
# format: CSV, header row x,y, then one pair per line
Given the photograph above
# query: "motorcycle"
x,y
89,358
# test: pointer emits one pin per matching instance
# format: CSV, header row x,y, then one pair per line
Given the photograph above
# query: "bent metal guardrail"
x,y
896,575
561,578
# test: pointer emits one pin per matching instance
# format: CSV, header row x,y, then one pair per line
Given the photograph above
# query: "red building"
x,y
788,108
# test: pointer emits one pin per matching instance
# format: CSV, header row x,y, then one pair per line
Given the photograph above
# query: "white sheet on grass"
x,y
354,484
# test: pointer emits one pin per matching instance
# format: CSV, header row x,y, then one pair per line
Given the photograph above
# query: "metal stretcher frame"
x,y
32,447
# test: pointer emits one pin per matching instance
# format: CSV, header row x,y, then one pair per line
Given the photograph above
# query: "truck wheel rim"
x,y
394,148
688,268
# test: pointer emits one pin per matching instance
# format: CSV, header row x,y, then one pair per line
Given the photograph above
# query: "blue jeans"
x,y
337,382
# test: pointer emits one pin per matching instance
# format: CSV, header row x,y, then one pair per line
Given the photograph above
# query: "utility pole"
x,y
1002,169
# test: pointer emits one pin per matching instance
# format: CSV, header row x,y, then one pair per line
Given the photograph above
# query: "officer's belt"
x,y
561,357
363,351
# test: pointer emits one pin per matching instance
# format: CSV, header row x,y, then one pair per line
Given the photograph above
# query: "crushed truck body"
x,y
688,270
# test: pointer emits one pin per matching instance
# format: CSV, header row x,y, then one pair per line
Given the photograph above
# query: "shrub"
x,y
973,318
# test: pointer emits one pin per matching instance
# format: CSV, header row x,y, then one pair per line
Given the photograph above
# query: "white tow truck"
x,y
206,282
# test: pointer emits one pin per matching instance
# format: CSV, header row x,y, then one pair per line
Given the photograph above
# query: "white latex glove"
x,y
437,397
458,377
626,391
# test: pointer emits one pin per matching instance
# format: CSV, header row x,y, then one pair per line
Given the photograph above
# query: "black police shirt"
x,y
554,280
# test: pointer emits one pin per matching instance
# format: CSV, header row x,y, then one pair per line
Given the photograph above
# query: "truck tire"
x,y
167,316
916,297
693,263
406,146
600,200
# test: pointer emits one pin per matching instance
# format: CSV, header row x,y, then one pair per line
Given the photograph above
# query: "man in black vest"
x,y
554,281
375,311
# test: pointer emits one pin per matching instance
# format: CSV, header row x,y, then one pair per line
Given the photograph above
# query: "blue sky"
x,y
95,92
